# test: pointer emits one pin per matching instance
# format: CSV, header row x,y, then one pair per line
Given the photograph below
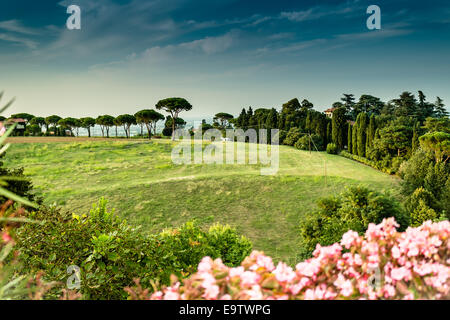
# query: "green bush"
x,y
383,165
228,245
332,148
354,209
422,172
17,183
292,136
110,253
310,142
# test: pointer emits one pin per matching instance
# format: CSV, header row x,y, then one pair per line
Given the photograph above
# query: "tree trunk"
x,y
89,132
149,129
173,128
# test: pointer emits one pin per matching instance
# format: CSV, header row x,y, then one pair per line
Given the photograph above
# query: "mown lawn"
x,y
142,184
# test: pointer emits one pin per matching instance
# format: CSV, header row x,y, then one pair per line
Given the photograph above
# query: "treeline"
x,y
147,118
408,136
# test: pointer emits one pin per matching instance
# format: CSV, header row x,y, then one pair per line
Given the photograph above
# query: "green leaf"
x,y
8,194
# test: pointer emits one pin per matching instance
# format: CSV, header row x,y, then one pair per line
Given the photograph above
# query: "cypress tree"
x,y
355,136
329,138
371,132
362,134
349,138
338,127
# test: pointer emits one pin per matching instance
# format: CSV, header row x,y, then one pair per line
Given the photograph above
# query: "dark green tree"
x,y
349,138
26,116
126,120
174,106
338,127
87,123
52,121
150,119
439,109
362,134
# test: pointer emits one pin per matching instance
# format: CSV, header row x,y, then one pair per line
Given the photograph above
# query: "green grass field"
x,y
141,183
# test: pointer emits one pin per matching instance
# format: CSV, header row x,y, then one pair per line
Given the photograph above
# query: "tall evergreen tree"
x,y
329,135
355,138
349,138
338,127
349,101
439,109
406,105
371,132
362,134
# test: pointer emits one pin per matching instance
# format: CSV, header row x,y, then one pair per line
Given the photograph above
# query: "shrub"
x,y
227,244
309,142
382,264
110,253
354,209
292,136
383,165
17,183
421,171
332,148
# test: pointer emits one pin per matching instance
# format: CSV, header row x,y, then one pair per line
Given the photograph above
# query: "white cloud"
x,y
16,26
211,45
23,41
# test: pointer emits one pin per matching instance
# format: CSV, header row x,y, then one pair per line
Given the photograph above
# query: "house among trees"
x,y
19,130
329,112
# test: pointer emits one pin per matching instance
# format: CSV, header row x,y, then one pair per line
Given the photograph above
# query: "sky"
x,y
221,55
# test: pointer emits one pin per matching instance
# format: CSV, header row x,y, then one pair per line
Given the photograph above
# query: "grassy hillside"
x,y
140,181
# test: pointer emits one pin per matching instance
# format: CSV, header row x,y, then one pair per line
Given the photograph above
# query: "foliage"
x,y
174,106
354,209
437,143
150,118
293,135
110,253
311,142
383,165
422,175
339,127
420,205
332,148
382,264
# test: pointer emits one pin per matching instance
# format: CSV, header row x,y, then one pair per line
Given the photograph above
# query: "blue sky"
x,y
220,55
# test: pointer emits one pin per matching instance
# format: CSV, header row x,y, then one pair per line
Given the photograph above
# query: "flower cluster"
x,y
382,264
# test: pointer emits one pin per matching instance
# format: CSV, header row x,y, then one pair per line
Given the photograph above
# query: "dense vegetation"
x,y
405,136
111,253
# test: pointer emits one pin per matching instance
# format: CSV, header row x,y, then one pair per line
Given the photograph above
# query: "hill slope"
x,y
140,181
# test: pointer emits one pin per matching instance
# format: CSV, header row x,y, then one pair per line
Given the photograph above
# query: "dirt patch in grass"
x,y
63,139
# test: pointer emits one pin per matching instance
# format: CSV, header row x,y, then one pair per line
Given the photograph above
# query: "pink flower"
x,y
249,278
395,252
255,293
349,238
418,257
211,292
284,273
205,265
389,291
236,272
265,262
345,285
400,274
6,237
